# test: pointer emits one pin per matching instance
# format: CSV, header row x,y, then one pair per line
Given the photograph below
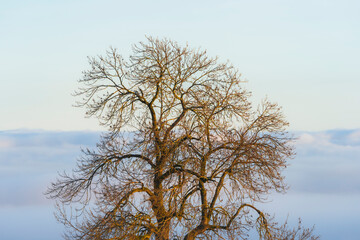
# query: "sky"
x,y
304,55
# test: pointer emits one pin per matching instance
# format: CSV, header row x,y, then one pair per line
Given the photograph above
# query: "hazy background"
x,y
302,54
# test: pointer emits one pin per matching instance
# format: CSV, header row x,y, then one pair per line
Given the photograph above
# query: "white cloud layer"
x,y
326,162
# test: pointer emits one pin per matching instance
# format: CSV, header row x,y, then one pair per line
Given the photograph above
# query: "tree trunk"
x,y
163,231
196,231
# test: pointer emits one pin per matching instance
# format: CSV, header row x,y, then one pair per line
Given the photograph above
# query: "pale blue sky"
x,y
305,55
302,54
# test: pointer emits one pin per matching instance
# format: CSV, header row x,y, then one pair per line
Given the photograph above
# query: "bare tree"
x,y
196,161
284,232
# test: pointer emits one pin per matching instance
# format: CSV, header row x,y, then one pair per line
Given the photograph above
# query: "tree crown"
x,y
199,157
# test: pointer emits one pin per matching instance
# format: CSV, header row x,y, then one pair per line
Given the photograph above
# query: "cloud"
x,y
305,139
6,143
30,160
354,137
27,138
333,138
326,162
23,190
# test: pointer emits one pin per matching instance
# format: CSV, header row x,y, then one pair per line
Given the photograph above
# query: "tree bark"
x,y
163,230
196,231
